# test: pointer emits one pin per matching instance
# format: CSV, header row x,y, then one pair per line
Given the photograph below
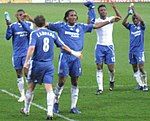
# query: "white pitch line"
x,y
36,105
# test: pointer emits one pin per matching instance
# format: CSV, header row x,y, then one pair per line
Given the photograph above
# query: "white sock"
x,y
50,102
58,90
74,96
99,77
144,78
111,76
20,83
138,78
28,101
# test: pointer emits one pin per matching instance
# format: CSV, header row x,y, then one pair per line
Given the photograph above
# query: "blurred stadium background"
x,y
66,1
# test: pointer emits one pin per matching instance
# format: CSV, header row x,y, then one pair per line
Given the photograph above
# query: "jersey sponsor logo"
x,y
137,33
72,34
21,34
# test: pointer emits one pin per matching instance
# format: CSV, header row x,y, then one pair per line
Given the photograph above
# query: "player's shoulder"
x,y
13,24
43,31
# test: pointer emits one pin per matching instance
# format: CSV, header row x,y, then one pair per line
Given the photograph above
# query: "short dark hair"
x,y
20,10
39,21
67,14
102,5
134,16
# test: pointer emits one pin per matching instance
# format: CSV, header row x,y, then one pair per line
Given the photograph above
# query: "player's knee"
x,y
99,67
61,84
74,83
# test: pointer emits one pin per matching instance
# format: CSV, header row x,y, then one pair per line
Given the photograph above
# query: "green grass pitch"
x,y
123,104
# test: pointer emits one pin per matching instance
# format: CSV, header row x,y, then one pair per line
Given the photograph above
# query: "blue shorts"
x,y
136,58
18,62
69,65
104,54
41,72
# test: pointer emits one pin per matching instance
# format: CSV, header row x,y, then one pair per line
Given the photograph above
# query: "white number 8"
x,y
46,44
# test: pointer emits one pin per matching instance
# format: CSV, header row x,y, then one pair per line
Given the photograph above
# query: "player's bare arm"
x,y
28,17
115,9
28,57
125,22
75,53
101,24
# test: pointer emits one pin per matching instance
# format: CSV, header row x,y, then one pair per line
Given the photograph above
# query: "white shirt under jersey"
x,y
104,34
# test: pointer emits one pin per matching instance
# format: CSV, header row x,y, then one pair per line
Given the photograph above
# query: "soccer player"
x,y
104,52
136,50
19,31
39,63
72,34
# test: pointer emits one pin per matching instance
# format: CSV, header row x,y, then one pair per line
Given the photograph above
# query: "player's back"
x,y
44,44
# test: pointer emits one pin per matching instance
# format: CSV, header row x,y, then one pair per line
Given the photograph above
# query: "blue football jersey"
x,y
72,36
20,37
136,37
43,40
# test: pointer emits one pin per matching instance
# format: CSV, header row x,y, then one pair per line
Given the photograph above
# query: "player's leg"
x,y
134,60
74,95
111,76
99,57
48,72
50,100
29,98
143,76
58,91
63,71
141,60
17,63
137,76
110,61
99,78
20,84
75,72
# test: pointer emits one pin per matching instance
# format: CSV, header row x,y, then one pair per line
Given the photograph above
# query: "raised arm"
x,y
125,22
116,10
91,12
8,32
28,17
